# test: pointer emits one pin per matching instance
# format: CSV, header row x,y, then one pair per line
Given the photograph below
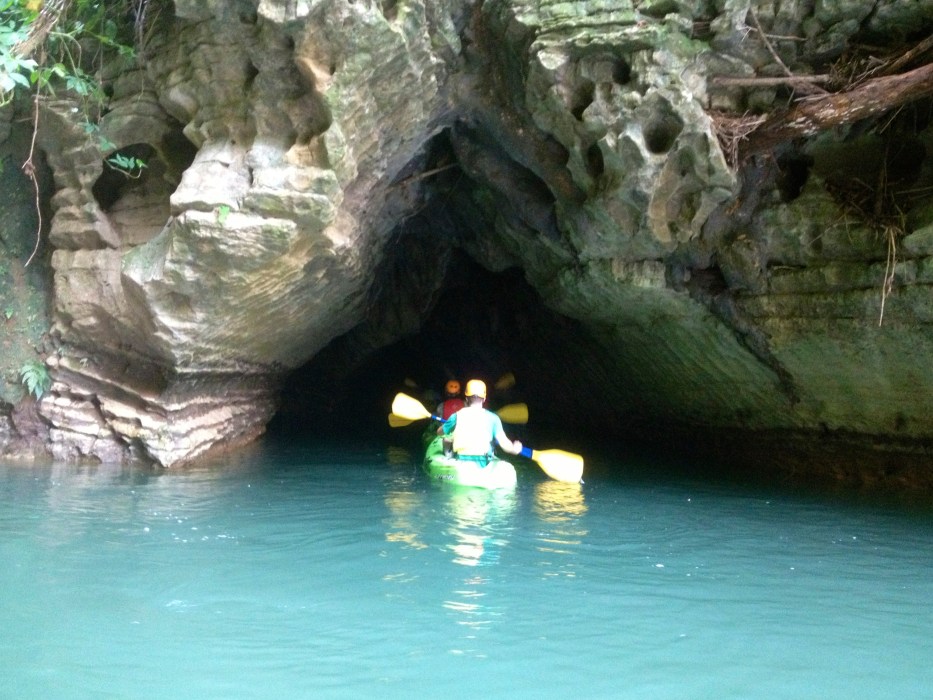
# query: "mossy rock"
x,y
24,291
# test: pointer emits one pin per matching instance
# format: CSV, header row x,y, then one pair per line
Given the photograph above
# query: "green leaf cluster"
x,y
128,165
35,377
66,63
14,70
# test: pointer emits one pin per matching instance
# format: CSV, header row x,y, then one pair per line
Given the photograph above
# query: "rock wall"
x,y
288,143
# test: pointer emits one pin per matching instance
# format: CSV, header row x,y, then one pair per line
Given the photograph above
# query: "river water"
x,y
326,572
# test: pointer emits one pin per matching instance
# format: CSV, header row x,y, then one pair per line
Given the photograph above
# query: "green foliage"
x,y
103,142
73,79
63,45
128,165
14,70
35,377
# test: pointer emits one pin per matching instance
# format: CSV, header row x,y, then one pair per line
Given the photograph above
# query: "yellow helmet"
x,y
476,388
452,388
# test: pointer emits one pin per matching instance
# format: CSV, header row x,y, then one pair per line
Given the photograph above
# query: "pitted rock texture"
x,y
313,166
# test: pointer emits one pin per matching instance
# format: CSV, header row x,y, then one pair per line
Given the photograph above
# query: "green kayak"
x,y
498,474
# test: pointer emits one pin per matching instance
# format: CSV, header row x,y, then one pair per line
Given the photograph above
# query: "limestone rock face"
x,y
186,290
289,146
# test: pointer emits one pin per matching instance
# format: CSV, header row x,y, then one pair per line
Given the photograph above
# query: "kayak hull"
x,y
498,474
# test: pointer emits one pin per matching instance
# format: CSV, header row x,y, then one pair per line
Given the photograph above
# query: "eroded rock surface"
x,y
290,145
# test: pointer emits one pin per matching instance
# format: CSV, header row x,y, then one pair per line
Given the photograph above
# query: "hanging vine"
x,y
44,49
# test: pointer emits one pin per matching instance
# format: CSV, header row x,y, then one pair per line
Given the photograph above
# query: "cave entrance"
x,y
483,325
448,301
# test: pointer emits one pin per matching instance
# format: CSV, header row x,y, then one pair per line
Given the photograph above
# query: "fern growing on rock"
x,y
35,377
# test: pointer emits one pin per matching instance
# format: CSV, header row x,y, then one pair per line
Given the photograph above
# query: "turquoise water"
x,y
322,573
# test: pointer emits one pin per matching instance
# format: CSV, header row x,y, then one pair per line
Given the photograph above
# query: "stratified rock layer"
x,y
288,143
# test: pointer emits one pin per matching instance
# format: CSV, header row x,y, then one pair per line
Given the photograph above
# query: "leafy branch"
x,y
128,165
42,49
14,69
35,377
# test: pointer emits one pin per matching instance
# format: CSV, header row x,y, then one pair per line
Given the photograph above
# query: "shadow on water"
x,y
608,461
649,466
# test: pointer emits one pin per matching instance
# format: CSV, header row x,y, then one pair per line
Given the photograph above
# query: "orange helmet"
x,y
475,387
452,388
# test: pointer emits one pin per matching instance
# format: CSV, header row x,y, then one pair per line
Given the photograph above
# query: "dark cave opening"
x,y
436,313
484,325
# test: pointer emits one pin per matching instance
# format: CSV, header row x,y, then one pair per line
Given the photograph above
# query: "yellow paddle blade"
x,y
514,413
559,465
407,407
506,381
397,421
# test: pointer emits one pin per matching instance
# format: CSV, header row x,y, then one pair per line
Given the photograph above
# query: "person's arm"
x,y
447,427
513,447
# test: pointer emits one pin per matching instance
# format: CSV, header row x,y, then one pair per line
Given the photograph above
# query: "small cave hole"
x,y
904,160
136,183
900,422
707,281
659,137
125,169
661,127
659,10
793,172
390,9
317,120
251,72
178,153
248,15
660,124
621,71
582,98
595,165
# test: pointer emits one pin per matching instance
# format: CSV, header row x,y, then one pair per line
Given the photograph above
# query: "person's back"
x,y
476,430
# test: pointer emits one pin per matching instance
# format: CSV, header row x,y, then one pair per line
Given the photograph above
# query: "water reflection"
x,y
561,508
398,456
125,502
479,518
477,531
406,509
559,501
479,523
82,496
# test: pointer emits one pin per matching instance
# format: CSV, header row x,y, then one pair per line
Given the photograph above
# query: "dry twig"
x,y
732,131
887,285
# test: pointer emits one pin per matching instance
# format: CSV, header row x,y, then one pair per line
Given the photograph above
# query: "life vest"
x,y
450,407
473,432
